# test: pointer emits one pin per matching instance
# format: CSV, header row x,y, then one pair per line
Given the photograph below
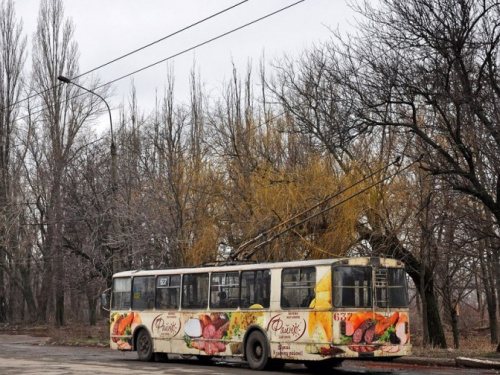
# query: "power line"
x,y
203,43
135,51
159,40
185,51
250,253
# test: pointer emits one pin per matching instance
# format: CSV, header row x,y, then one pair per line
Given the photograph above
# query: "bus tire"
x,y
144,346
257,351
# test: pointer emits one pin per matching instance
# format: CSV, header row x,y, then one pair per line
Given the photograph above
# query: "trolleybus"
x,y
317,312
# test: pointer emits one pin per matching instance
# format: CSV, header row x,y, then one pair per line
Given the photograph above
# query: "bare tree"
x,y
313,90
12,58
428,71
429,68
54,53
87,223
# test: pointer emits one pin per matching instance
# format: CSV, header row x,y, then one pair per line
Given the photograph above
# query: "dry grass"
x,y
81,334
472,343
474,335
75,334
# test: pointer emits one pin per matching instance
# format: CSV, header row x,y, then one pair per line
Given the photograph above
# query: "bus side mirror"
x,y
105,300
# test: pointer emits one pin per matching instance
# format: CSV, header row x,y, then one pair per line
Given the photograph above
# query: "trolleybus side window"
x,y
168,291
391,287
297,287
121,293
255,289
352,286
195,291
144,293
224,289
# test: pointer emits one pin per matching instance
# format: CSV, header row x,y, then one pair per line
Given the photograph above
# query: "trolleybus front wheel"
x,y
256,351
144,346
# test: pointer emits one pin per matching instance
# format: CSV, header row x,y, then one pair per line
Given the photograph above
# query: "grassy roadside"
x,y
81,335
73,334
472,344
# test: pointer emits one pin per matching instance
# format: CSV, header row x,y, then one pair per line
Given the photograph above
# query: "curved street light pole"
x,y
113,146
113,169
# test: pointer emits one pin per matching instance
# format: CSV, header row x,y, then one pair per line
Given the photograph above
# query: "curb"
x,y
451,362
477,363
427,361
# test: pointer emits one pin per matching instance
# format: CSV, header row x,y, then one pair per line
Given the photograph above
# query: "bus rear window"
x,y
121,293
391,287
352,286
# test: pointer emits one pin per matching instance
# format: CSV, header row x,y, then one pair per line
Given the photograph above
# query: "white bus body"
x,y
307,311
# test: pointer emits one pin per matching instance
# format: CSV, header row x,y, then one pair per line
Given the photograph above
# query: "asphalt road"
x,y
25,355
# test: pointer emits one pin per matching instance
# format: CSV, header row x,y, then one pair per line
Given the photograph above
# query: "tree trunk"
x,y
12,58
451,306
491,299
3,290
26,288
454,324
425,320
60,306
92,310
45,292
3,308
387,245
434,325
495,263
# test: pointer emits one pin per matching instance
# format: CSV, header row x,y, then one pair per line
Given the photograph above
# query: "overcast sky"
x,y
107,29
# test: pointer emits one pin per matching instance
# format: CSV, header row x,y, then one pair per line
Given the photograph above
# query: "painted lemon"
x,y
325,284
324,318
325,296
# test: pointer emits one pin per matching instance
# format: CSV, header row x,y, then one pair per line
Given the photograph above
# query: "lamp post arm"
x,y
67,80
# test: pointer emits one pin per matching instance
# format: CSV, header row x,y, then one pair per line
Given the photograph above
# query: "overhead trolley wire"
x,y
201,44
250,253
136,50
244,245
162,39
184,51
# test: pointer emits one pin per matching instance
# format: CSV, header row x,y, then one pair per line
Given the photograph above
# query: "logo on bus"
x,y
166,326
289,327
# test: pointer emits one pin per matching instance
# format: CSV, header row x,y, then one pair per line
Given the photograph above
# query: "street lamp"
x,y
113,146
113,166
